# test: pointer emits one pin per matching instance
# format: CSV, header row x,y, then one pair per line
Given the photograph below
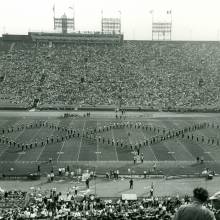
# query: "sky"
x,y
191,19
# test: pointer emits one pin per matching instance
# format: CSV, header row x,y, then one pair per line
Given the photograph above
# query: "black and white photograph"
x,y
110,109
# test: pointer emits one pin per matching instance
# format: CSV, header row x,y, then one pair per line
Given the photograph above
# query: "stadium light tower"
x,y
64,23
162,30
111,25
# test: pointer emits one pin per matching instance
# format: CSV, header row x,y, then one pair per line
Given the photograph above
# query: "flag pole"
x,y
54,10
152,20
73,17
102,20
152,14
120,20
54,16
73,10
171,20
171,23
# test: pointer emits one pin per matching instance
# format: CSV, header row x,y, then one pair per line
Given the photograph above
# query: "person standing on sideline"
x,y
152,190
131,183
75,190
87,183
117,174
38,168
195,210
142,158
155,167
135,159
216,204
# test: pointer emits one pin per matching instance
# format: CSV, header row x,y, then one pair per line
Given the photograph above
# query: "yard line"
x,y
17,123
97,144
43,148
80,145
204,147
62,145
61,150
15,140
184,147
169,150
116,153
155,158
30,141
173,153
178,140
41,152
129,137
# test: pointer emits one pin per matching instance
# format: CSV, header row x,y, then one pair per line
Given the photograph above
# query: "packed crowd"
x,y
148,74
13,198
51,204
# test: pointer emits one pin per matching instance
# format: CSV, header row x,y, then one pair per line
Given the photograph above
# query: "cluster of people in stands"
x,y
10,200
147,74
57,206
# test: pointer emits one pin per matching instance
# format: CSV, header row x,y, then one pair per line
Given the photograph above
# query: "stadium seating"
x,y
138,73
52,204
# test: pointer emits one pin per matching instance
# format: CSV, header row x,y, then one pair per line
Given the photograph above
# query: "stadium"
x,y
78,106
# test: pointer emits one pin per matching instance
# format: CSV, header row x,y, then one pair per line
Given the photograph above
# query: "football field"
x,y
98,147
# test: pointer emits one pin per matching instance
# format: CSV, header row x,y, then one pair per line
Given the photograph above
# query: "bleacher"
x,y
38,204
146,75
77,38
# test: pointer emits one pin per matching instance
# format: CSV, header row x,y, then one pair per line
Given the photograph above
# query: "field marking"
x,y
204,147
155,158
175,126
97,144
16,123
59,153
199,133
80,144
15,140
113,136
43,148
170,151
41,152
185,148
36,133
57,122
168,147
126,130
178,140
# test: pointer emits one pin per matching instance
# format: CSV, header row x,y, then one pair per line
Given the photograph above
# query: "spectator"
x,y
75,190
216,204
195,210
165,75
87,183
52,204
131,183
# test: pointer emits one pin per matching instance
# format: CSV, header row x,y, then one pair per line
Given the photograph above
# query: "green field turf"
x,y
82,149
